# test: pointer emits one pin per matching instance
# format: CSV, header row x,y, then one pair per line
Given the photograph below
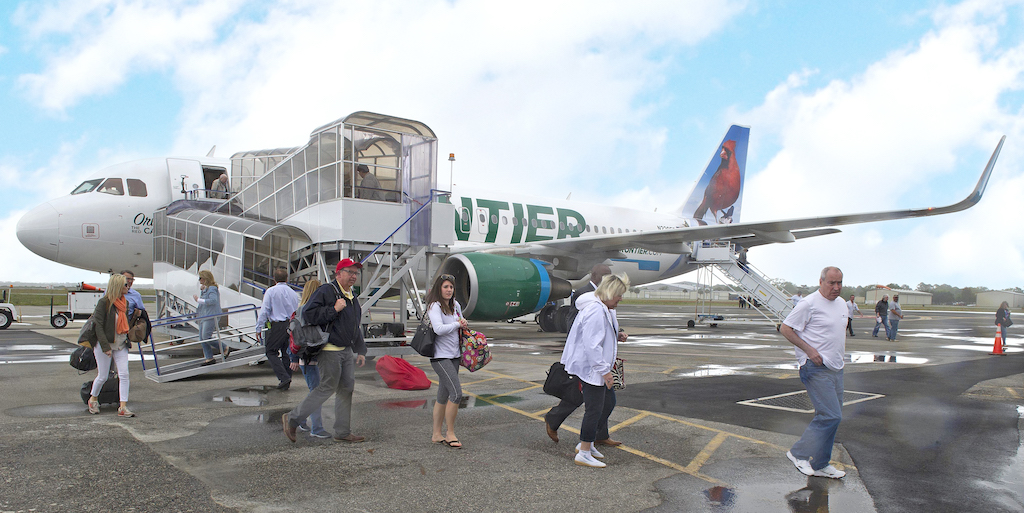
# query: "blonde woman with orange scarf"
x,y
111,332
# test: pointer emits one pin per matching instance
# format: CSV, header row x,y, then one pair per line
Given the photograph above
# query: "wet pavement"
x,y
940,432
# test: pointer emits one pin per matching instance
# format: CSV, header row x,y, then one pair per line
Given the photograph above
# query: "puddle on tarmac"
x,y
248,396
396,405
50,410
270,417
512,345
886,357
708,371
723,342
720,496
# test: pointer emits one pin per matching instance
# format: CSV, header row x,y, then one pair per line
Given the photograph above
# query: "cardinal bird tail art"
x,y
718,195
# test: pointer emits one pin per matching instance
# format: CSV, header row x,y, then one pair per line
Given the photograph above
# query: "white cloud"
x,y
892,138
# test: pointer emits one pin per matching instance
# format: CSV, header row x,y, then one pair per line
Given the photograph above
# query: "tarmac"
x,y
933,423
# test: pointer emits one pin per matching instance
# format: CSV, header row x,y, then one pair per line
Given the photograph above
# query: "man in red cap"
x,y
335,309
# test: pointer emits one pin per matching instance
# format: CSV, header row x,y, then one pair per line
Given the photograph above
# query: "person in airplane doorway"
x,y
447,322
307,355
1003,320
554,418
111,317
279,303
220,187
895,314
851,305
882,316
209,304
334,306
589,354
817,328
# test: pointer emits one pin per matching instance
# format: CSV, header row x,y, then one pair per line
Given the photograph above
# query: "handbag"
x,y
83,359
423,339
563,385
475,353
137,332
618,374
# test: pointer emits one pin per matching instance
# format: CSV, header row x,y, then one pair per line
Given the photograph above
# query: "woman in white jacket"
x,y
589,354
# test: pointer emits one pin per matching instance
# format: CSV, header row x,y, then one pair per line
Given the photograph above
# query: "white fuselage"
x,y
107,229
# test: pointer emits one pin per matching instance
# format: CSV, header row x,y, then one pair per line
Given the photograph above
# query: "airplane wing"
x,y
747,234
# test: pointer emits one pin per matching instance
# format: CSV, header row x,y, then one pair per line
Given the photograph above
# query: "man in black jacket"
x,y
333,307
882,316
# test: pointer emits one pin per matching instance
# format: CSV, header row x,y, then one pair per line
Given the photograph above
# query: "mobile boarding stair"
x,y
773,304
242,340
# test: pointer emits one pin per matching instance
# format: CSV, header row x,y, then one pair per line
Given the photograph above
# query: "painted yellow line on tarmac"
x,y
629,421
1012,392
702,457
482,380
670,464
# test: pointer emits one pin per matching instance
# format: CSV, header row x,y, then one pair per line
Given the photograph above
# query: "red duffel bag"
x,y
401,375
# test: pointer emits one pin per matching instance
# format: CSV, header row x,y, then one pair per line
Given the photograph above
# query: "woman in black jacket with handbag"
x,y
1003,319
111,320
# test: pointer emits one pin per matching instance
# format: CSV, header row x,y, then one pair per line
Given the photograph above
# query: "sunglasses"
x,y
447,277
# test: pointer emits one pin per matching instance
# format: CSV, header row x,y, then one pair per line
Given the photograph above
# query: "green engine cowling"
x,y
496,287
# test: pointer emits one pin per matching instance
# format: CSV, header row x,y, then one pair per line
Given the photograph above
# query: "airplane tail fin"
x,y
718,194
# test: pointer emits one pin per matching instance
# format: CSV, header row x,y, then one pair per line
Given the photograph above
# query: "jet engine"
x,y
495,287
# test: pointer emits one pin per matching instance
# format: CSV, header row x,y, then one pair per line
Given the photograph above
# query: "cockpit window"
x,y
136,187
87,186
112,186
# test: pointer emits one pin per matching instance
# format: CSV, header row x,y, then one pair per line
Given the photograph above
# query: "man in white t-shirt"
x,y
817,327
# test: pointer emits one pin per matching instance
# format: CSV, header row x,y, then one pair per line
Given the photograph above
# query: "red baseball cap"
x,y
347,262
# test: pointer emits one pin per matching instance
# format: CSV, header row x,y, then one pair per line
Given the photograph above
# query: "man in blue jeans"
x,y
817,327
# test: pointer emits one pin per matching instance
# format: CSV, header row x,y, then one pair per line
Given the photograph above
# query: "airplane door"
x,y
481,220
185,176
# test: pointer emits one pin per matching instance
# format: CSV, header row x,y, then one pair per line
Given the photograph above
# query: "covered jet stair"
x,y
304,209
771,302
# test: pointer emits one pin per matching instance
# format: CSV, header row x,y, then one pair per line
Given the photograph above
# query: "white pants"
x,y
120,358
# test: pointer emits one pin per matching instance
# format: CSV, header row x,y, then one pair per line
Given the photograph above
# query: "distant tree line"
x,y
941,294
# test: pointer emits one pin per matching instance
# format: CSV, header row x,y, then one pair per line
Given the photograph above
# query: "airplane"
x,y
516,254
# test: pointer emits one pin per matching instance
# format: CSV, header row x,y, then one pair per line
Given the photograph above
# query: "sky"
x,y
853,107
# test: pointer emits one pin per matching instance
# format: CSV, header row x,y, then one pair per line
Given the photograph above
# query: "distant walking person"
x,y
308,356
334,307
1003,320
882,316
279,303
111,318
589,354
851,305
209,304
446,319
795,299
816,327
895,314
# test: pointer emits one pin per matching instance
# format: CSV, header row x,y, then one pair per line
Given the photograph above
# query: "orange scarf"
x,y
122,315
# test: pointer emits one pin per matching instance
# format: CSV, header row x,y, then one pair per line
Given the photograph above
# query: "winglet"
x,y
975,196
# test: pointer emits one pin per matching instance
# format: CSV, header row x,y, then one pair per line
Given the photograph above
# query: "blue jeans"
x,y
894,324
825,389
1002,329
316,423
206,329
883,323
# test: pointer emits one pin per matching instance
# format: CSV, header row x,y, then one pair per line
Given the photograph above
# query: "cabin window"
x,y
136,187
465,214
515,221
504,220
112,186
87,186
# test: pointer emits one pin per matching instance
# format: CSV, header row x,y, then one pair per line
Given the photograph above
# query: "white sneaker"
x,y
830,471
803,466
593,451
587,460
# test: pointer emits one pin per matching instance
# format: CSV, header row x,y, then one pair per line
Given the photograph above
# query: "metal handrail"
x,y
187,318
433,194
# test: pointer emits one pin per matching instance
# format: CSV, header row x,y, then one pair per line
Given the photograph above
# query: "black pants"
x,y
557,415
277,350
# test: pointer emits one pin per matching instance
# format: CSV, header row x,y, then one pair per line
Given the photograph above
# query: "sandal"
x,y
94,405
454,444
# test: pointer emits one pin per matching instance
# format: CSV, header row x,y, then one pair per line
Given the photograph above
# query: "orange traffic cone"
x,y
998,347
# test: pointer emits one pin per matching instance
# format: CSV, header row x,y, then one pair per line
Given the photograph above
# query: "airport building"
x,y
907,297
994,298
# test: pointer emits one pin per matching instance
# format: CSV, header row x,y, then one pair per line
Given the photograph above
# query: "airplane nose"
x,y
38,231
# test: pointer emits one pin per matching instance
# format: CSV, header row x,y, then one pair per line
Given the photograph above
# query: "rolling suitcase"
x,y
108,393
